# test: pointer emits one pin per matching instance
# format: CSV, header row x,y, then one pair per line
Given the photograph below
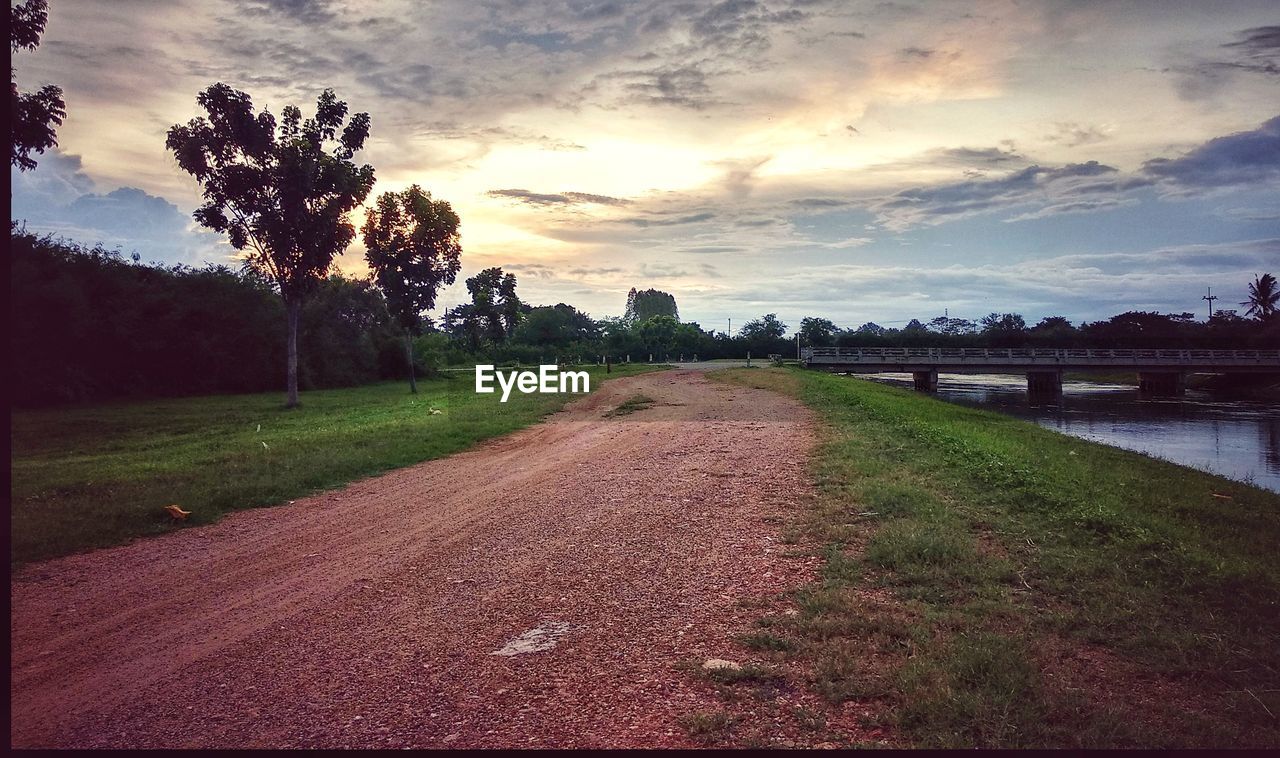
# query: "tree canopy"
x,y
413,248
33,116
645,304
1264,297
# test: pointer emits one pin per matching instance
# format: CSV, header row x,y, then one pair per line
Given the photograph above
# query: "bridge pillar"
x,y
1162,383
926,381
1044,383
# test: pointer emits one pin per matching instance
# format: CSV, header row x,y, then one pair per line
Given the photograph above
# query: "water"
x,y
1238,439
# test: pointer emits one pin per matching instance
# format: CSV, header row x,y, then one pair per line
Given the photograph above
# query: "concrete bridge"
x,y
1160,372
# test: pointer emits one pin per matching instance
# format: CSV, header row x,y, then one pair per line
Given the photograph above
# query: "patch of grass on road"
x,y
92,476
630,405
992,583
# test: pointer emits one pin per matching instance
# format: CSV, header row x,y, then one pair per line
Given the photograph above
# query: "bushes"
x,y
88,325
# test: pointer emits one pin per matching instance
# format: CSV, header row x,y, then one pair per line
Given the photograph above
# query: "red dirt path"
x,y
366,617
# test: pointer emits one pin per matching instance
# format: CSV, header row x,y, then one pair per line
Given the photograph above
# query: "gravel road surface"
x,y
547,589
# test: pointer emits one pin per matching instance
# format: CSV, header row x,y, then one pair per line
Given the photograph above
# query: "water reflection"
x,y
1239,439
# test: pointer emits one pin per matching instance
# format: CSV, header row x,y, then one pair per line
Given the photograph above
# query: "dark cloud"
x,y
939,203
1255,51
1259,49
1242,158
705,249
305,11
563,198
986,157
681,86
693,218
819,203
58,198
918,53
1072,134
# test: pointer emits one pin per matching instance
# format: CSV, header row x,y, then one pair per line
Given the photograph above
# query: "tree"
x,y
33,116
494,303
280,192
461,323
1053,331
817,332
764,335
1004,329
952,326
412,246
558,326
1263,297
657,334
646,304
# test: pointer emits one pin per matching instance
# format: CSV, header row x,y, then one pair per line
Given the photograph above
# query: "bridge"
x,y
1161,372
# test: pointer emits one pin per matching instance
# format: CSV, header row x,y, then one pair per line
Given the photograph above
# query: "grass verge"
x,y
991,583
86,477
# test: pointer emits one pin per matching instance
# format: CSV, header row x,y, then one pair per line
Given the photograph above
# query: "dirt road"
x,y
627,547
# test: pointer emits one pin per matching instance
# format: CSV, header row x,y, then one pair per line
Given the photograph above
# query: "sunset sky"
x,y
872,161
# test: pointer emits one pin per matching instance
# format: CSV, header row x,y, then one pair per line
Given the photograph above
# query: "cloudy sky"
x,y
856,160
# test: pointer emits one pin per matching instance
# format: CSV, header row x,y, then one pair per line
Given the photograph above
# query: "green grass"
x,y
708,728
86,477
631,405
988,582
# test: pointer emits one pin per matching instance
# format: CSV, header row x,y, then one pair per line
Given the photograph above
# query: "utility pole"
x,y
1210,297
797,345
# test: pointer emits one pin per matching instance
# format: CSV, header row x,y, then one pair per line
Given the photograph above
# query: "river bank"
x,y
992,583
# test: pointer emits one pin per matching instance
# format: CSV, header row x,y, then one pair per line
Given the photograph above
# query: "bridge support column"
x,y
1044,383
926,381
1162,383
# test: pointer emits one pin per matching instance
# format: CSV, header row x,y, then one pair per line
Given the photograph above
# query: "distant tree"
x,y
817,332
646,304
33,116
1264,297
412,246
1004,329
952,326
281,192
657,334
764,335
871,328
1140,329
558,325
1053,331
463,323
344,323
494,303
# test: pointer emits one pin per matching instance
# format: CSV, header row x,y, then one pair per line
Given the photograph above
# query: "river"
x,y
1238,439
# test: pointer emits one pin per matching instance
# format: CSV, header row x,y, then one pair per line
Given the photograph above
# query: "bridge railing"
x,y
1067,356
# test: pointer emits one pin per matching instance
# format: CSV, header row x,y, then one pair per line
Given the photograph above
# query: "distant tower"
x,y
1210,297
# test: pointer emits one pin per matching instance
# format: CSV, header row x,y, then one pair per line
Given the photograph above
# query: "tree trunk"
x,y
408,352
294,307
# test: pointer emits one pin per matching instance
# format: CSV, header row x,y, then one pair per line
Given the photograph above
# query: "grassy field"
x,y
87,477
991,583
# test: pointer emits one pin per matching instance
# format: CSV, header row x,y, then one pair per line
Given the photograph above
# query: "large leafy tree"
x,y
1264,297
764,335
645,304
495,303
817,332
280,191
558,325
33,116
412,245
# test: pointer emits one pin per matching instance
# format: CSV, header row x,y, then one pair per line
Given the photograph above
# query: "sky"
x,y
859,161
